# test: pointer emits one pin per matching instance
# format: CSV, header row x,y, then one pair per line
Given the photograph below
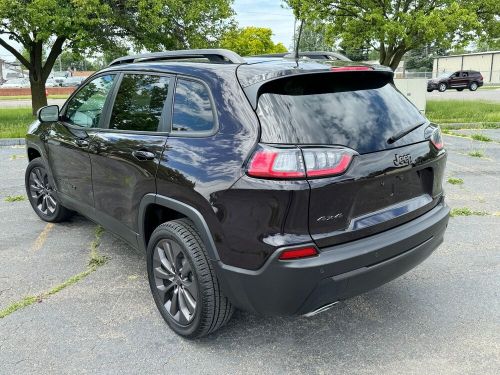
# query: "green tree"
x,y
101,25
251,40
394,27
313,38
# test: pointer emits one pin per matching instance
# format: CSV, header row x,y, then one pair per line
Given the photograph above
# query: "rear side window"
x,y
139,102
349,109
192,108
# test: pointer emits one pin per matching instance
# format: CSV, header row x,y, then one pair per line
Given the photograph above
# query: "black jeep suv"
x,y
266,184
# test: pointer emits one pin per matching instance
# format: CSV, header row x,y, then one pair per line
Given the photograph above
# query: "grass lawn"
x,y
14,122
462,111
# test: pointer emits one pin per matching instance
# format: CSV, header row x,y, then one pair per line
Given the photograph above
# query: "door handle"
x,y
82,142
143,155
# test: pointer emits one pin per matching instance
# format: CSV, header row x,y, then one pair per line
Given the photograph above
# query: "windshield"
x,y
351,110
445,75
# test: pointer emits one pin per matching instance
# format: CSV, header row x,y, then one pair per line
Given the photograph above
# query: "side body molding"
x,y
190,212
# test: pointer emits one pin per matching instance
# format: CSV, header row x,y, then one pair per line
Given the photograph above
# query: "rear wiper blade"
x,y
404,132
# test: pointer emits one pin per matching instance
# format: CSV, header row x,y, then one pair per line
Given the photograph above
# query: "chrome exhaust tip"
x,y
320,310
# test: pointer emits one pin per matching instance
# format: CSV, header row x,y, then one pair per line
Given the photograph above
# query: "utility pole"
x,y
1,71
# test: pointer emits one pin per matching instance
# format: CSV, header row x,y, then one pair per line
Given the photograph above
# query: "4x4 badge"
x,y
402,160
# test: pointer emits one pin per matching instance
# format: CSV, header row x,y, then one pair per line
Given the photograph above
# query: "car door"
x,y
125,152
455,80
68,141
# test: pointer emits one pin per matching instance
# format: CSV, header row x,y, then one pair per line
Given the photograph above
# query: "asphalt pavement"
x,y
443,317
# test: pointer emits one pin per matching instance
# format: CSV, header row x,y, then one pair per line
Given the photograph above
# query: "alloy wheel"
x,y
175,282
473,86
41,191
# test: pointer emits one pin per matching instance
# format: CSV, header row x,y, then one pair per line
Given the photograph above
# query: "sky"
x,y
261,13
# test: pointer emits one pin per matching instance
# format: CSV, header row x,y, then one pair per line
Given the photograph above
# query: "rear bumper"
x,y
339,272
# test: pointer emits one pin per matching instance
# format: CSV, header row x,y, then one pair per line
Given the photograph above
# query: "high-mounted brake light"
x,y
293,163
304,252
350,68
437,139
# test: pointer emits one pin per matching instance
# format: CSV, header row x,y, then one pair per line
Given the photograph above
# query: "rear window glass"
x,y
350,109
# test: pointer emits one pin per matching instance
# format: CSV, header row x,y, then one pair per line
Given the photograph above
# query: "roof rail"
x,y
213,55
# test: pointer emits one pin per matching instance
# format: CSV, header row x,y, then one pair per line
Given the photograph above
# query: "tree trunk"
x,y
391,56
38,98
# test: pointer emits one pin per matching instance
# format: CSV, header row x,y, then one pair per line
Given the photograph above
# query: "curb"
x,y
12,142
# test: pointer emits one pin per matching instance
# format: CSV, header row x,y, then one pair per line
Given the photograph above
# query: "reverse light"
x,y
304,252
436,139
326,162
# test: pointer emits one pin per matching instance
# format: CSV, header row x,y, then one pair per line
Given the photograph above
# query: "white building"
x,y
488,63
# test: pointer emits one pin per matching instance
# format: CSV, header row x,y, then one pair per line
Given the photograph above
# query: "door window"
x,y
192,108
139,102
85,108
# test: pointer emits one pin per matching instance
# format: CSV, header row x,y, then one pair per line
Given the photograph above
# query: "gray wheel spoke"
x,y
174,302
190,301
164,290
164,260
185,314
169,254
162,274
186,268
191,288
51,203
43,207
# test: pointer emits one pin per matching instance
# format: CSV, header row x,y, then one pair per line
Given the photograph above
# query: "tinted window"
x,y
192,107
85,108
340,109
139,102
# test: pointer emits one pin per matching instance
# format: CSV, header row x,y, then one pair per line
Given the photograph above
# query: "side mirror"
x,y
49,113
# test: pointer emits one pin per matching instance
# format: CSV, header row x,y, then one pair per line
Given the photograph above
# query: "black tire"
x,y
176,246
460,89
429,90
442,87
42,195
473,86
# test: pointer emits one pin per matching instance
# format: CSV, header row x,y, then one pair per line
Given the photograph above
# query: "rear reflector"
x,y
350,68
293,163
299,253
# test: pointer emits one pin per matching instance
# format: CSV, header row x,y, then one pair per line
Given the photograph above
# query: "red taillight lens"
x,y
350,68
437,139
304,252
293,163
326,162
277,163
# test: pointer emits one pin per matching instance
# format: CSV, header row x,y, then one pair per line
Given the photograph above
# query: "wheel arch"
x,y
171,209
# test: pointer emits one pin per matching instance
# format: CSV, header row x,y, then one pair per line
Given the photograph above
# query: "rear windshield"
x,y
358,110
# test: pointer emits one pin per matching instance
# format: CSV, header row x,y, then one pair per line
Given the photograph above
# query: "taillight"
x,y
303,252
293,163
350,68
277,163
326,162
437,139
